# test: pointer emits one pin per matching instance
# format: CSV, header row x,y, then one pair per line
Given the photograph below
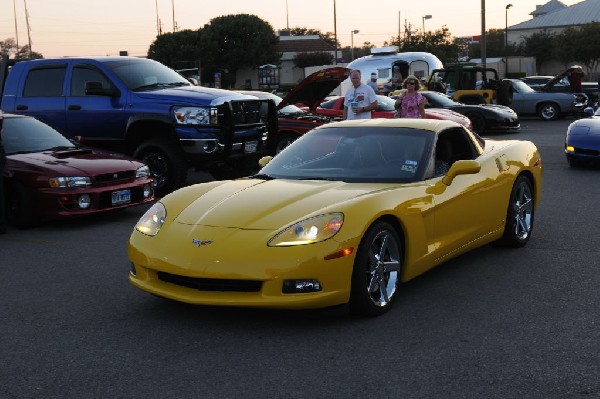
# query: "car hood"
x,y
557,78
259,204
193,95
80,162
315,87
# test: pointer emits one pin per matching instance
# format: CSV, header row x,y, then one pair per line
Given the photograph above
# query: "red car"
x,y
334,106
48,176
310,92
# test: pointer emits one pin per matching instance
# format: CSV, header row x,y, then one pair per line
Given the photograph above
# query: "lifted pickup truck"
x,y
142,108
471,84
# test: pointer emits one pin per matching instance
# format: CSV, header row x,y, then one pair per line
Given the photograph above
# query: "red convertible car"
x,y
334,106
48,176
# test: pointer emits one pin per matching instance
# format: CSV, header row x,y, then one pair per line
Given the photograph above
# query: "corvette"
x,y
345,214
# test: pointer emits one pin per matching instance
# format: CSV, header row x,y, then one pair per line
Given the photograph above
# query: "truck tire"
x,y
504,92
167,163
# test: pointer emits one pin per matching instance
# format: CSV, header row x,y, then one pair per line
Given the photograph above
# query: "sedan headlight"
x,y
309,231
73,181
195,115
151,222
143,171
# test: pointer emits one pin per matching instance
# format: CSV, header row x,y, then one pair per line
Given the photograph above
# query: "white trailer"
x,y
382,60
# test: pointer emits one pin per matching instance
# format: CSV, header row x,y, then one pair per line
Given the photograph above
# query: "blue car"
x,y
582,144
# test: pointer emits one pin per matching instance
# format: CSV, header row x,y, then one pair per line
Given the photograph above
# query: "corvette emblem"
x,y
198,243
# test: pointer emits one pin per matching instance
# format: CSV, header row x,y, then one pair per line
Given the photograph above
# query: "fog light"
x,y
147,190
209,146
297,286
84,201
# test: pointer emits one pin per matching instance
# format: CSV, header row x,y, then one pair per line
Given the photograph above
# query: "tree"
x,y
327,37
539,45
494,45
174,48
9,47
580,44
440,43
231,42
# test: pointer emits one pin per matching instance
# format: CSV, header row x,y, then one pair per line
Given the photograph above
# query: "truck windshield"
x,y
145,74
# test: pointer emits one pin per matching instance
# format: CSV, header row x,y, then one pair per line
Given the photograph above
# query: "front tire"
x,y
520,214
167,163
377,270
477,122
548,112
21,210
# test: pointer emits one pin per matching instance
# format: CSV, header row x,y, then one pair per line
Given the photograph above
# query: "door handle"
x,y
22,107
74,107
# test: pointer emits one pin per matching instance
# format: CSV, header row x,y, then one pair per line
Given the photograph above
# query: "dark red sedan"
x,y
48,177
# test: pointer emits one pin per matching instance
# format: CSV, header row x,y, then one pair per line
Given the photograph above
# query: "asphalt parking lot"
x,y
494,323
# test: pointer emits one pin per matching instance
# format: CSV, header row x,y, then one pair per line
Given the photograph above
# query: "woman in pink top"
x,y
411,103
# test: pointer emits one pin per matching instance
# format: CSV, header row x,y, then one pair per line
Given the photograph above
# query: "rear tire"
x,y
520,214
167,163
377,271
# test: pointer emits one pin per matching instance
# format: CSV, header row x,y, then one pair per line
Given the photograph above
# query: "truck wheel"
x,y
20,207
504,92
548,111
167,163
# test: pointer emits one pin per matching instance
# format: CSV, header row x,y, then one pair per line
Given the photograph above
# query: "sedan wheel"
x,y
548,112
377,268
520,214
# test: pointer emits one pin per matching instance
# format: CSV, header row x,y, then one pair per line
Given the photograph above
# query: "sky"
x,y
60,28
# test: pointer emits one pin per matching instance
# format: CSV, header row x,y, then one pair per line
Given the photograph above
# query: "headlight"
x,y
151,222
144,171
64,182
195,115
309,231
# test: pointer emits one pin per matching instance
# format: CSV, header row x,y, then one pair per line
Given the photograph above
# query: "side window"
x,y
84,74
45,82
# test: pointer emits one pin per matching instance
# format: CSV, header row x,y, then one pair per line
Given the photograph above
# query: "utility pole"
x,y
28,27
335,33
483,40
16,30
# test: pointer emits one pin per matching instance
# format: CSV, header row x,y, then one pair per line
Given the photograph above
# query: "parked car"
x,y
560,84
334,106
582,143
354,208
483,117
310,92
48,176
548,106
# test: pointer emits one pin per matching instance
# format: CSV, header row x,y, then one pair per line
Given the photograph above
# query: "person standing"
x,y
360,99
3,228
373,82
411,103
575,77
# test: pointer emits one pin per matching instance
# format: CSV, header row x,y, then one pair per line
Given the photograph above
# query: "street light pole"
x,y
335,34
352,33
424,18
506,35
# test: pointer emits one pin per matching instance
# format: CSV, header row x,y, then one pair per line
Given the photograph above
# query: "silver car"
x,y
548,106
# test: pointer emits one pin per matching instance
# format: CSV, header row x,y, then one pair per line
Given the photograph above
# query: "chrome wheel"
x,y
548,112
377,269
520,215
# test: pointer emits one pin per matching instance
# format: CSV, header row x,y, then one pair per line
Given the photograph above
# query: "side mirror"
x,y
264,161
96,89
463,167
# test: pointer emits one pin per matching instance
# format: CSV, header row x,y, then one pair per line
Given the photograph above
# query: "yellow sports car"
x,y
345,214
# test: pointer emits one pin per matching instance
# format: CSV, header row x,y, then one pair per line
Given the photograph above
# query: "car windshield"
x,y
145,74
441,100
522,87
24,135
355,154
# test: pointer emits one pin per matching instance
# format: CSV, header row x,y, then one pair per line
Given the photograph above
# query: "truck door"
x,y
106,111
42,95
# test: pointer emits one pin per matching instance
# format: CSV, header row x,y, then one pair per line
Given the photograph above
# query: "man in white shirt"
x,y
360,99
